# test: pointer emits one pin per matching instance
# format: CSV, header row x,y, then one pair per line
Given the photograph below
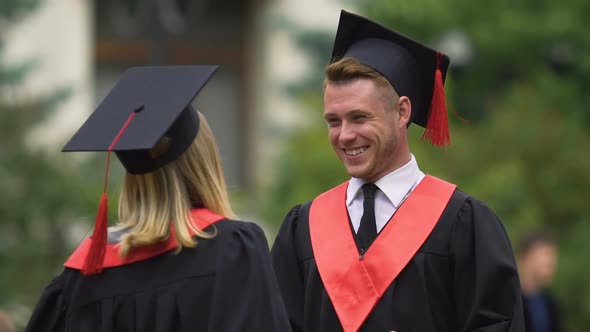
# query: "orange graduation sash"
x,y
202,218
355,285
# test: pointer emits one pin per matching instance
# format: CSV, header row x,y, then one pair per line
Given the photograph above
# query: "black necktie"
x,y
368,228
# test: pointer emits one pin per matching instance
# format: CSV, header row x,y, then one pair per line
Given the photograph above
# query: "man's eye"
x,y
332,122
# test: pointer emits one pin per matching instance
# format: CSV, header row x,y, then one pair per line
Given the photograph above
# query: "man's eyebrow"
x,y
358,111
330,116
349,113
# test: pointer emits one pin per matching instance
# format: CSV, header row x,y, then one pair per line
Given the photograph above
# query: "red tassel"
x,y
95,257
437,126
94,260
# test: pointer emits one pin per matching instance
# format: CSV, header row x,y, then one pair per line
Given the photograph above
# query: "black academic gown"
x,y
463,278
225,284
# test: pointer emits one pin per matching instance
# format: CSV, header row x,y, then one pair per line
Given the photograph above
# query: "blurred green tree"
x,y
42,196
522,87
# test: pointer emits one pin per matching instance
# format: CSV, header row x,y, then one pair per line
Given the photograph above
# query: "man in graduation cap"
x,y
175,261
392,249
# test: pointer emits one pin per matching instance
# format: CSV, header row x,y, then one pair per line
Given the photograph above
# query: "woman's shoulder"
x,y
234,227
206,219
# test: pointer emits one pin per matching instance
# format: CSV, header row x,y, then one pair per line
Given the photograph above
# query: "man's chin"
x,y
355,172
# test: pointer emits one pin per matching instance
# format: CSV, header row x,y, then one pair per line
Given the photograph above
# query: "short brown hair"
x,y
348,69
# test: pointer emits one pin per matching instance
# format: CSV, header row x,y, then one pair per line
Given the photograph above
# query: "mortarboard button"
x,y
138,108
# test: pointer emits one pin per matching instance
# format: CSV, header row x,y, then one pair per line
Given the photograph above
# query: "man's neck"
x,y
404,157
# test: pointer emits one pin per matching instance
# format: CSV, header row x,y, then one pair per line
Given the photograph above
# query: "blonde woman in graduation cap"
x,y
174,261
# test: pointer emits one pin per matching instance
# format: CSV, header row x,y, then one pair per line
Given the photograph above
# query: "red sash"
x,y
353,285
202,218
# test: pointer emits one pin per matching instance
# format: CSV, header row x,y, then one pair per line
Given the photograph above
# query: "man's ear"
x,y
404,111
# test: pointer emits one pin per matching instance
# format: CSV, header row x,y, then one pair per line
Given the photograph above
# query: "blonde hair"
x,y
150,202
349,69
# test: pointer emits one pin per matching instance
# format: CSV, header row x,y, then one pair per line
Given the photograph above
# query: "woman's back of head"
x,y
151,202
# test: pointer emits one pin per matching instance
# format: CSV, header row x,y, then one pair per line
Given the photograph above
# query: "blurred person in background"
x,y
6,322
393,249
175,261
537,262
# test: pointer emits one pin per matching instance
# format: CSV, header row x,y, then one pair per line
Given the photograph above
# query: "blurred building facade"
x,y
174,32
57,38
86,45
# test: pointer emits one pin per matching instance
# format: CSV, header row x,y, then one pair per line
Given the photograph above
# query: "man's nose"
x,y
347,133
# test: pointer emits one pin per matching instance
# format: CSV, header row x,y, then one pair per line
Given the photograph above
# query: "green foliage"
x,y
307,164
43,194
309,168
523,151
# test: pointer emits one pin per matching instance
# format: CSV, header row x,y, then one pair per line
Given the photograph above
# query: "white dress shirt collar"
x,y
395,185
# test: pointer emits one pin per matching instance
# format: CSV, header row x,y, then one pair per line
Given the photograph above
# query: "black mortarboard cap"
x,y
411,67
146,104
